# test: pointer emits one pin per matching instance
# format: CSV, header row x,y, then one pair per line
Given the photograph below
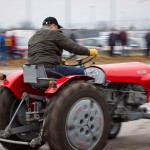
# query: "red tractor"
x,y
67,112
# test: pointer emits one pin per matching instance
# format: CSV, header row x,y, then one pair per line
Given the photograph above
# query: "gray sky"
x,y
13,12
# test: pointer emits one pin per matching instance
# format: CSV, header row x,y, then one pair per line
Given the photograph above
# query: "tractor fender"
x,y
15,83
63,81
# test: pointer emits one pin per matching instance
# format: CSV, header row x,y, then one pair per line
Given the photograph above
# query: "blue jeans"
x,y
67,70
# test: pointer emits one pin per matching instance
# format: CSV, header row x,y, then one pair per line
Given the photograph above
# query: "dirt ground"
x,y
98,60
107,60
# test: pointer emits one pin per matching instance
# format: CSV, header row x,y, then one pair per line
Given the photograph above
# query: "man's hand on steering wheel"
x,y
63,61
81,62
93,52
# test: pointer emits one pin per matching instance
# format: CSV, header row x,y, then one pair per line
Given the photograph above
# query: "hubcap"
x,y
84,124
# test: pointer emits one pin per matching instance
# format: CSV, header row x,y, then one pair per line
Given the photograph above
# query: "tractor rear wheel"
x,y
8,105
78,118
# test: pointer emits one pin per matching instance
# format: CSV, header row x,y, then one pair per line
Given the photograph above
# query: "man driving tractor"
x,y
31,116
46,47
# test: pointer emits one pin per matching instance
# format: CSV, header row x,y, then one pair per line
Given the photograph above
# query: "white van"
x,y
22,38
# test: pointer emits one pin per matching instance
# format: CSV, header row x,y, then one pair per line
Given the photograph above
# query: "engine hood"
x,y
126,72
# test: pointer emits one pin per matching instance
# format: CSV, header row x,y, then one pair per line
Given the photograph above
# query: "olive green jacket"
x,y
46,47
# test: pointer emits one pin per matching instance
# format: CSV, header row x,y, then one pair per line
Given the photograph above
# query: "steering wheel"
x,y
81,61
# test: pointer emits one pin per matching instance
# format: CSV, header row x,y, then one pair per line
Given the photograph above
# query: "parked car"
x,y
136,43
22,38
99,44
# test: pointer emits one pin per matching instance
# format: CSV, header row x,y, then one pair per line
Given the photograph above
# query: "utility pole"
x,y
113,13
92,13
28,12
67,13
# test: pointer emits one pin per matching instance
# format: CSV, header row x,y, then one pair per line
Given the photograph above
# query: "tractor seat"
x,y
38,76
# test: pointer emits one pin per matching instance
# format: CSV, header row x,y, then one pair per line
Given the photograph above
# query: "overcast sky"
x,y
13,12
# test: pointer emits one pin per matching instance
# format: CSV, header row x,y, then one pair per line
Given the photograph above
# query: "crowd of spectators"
x,y
122,38
115,38
7,46
8,43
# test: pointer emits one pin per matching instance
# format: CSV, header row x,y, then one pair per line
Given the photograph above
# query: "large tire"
x,y
8,105
114,130
78,118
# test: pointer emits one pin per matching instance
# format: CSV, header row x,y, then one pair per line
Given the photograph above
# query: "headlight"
x,y
96,73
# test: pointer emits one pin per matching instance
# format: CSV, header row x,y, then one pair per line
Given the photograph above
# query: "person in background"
x,y
72,36
13,44
8,44
112,41
147,39
3,50
46,47
123,40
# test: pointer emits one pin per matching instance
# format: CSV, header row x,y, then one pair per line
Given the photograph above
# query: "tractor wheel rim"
x,y
84,124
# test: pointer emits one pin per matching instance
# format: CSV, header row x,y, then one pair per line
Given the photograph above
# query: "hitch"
x,y
8,131
26,128
14,142
34,142
40,139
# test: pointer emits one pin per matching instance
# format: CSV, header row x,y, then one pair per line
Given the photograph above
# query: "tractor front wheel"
x,y
114,130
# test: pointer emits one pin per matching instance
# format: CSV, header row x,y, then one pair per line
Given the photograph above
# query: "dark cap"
x,y
51,20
